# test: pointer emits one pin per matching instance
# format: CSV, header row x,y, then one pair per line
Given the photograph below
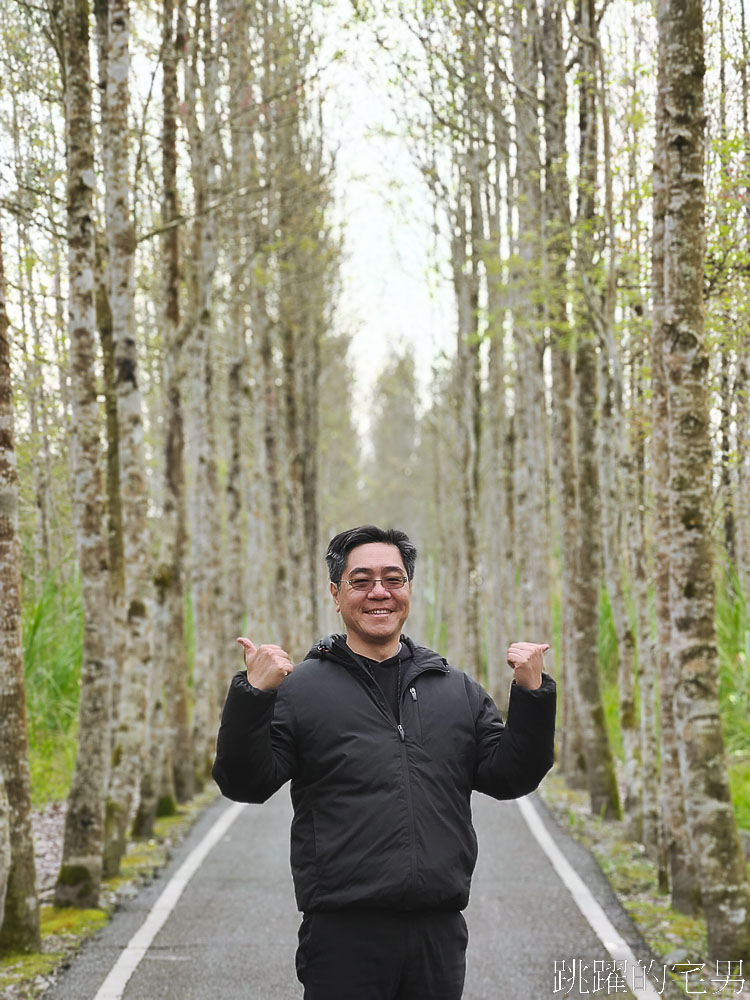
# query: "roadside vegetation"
x,y
733,637
25,976
675,938
53,646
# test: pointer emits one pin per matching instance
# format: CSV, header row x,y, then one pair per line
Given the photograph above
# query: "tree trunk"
x,y
310,456
206,534
678,870
20,925
115,535
131,740
715,841
557,249
80,873
234,20
469,402
501,630
4,845
530,470
114,496
612,459
600,768
170,575
34,376
637,506
742,500
647,672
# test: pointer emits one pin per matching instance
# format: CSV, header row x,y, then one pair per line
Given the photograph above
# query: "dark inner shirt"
x,y
386,674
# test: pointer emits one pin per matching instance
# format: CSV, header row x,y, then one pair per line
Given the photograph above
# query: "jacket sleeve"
x,y
255,749
513,758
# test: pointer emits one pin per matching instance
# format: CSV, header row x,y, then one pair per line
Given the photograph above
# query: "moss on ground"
x,y
64,929
675,939
23,977
60,920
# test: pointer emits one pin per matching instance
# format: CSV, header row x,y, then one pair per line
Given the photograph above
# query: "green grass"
x,y
733,638
733,642
52,756
53,649
739,783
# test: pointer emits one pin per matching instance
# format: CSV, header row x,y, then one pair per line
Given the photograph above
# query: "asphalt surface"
x,y
232,935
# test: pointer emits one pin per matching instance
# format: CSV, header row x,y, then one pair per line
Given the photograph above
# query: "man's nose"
x,y
378,589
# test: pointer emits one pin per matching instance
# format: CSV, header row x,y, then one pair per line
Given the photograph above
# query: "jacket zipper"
x,y
380,701
377,696
409,805
407,786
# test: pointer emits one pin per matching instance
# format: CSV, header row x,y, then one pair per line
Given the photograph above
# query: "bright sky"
x,y
391,296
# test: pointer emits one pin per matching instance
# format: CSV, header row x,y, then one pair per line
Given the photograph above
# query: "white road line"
x,y
615,944
114,985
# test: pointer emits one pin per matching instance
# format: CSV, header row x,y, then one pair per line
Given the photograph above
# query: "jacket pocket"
x,y
414,726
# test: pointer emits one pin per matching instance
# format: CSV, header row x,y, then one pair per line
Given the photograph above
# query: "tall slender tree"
x,y
714,839
677,865
80,874
530,417
20,929
132,731
201,95
600,766
170,576
556,254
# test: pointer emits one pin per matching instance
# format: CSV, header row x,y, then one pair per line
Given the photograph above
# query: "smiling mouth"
x,y
379,611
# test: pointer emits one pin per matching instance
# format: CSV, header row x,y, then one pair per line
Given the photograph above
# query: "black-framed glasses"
x,y
364,584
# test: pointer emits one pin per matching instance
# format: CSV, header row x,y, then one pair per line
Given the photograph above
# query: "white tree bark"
x,y
556,254
530,468
81,869
600,769
131,738
170,577
612,458
206,543
710,816
19,930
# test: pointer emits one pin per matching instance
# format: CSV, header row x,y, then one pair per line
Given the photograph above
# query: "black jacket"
x,y
382,813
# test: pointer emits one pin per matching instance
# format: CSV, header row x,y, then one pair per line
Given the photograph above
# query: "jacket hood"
x,y
333,647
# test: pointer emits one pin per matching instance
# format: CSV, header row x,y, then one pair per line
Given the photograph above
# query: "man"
x,y
384,743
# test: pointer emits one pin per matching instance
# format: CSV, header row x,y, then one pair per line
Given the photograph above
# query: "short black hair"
x,y
341,545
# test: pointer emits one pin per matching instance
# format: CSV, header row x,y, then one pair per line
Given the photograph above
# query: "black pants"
x,y
382,955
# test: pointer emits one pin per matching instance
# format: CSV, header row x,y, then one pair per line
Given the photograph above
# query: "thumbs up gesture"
x,y
267,665
527,662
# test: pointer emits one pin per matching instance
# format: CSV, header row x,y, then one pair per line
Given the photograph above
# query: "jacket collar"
x,y
333,647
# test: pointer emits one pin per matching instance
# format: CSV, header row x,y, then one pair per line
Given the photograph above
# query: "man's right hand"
x,y
267,666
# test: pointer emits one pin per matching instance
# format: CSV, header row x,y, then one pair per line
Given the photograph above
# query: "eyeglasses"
x,y
364,584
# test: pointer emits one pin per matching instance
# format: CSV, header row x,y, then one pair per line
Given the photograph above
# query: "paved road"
x,y
232,935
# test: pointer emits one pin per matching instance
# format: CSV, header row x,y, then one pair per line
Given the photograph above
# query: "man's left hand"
x,y
527,662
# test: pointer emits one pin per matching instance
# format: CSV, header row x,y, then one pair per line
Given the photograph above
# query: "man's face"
x,y
375,615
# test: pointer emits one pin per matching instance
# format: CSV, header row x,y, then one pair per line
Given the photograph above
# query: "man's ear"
x,y
334,594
